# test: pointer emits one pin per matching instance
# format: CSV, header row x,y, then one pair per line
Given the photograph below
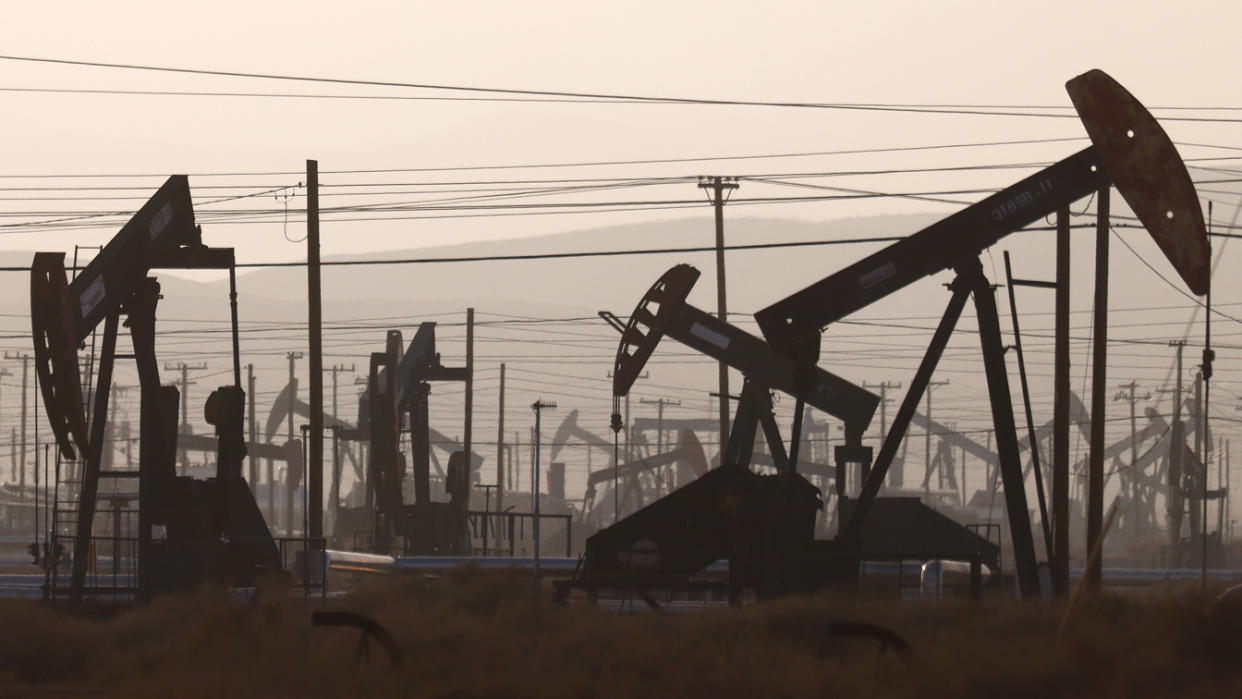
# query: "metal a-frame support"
x,y
971,282
754,409
90,471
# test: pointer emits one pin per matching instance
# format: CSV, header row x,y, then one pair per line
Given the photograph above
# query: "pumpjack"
x,y
211,530
764,524
626,476
398,386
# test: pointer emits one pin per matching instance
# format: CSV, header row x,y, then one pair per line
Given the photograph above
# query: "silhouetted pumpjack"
x,y
214,530
1129,151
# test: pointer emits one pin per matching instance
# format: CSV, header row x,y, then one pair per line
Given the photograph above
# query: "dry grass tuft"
x,y
472,633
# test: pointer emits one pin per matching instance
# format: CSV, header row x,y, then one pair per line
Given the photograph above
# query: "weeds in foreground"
x,y
474,633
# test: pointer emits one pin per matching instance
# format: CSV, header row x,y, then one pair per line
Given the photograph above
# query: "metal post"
x,y
254,432
1099,377
334,492
305,489
1006,434
1206,372
1060,412
293,394
1036,466
1177,443
314,475
236,336
538,406
616,461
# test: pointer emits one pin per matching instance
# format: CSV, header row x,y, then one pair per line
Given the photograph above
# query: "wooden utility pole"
x,y
184,385
1129,393
515,463
895,475
500,446
314,476
718,186
1060,412
467,438
1099,403
21,471
4,371
659,403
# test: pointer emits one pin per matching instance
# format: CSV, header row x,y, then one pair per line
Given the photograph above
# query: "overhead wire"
x,y
563,94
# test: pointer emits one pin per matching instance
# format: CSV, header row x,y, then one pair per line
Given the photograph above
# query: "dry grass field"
x,y
476,634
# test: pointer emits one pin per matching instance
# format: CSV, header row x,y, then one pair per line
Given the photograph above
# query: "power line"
x,y
572,164
610,97
537,100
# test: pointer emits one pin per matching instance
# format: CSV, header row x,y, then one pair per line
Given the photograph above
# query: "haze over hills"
x,y
539,317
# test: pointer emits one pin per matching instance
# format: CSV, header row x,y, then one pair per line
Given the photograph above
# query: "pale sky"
x,y
983,55
978,53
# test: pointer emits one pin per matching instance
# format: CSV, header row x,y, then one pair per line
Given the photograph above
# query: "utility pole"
x,y
659,403
293,394
931,385
1129,393
1099,383
895,475
500,448
314,475
254,432
184,383
538,406
717,187
21,471
4,371
466,442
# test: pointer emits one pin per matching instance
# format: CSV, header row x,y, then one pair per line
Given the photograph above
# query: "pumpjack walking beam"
x,y
748,354
1129,150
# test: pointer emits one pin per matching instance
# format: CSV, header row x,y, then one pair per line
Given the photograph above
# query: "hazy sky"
x,y
981,55
978,53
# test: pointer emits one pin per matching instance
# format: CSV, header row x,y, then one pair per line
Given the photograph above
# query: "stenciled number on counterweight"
x,y
1022,200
